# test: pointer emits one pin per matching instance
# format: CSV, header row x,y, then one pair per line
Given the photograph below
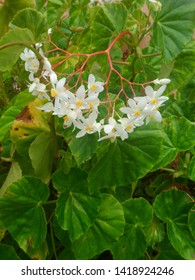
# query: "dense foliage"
x,y
95,162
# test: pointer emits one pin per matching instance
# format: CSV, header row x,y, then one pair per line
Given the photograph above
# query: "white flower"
x,y
32,65
31,62
27,54
78,101
154,97
93,86
38,89
113,130
69,118
49,31
136,107
111,136
127,124
88,126
152,113
162,82
93,103
47,107
59,93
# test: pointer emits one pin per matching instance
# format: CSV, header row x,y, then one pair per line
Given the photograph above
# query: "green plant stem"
x,y
121,62
53,241
50,202
54,140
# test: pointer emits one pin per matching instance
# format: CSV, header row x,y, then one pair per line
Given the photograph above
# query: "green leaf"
x,y
166,251
155,232
84,148
41,153
101,29
55,9
191,221
107,228
12,45
168,153
7,118
28,125
76,210
124,162
181,132
9,9
184,67
32,20
173,27
40,4
21,212
172,207
63,236
183,108
132,245
7,252
191,169
14,174
114,11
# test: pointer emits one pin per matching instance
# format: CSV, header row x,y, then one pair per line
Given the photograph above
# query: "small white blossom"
x,y
88,126
31,62
59,93
38,89
78,101
32,65
93,86
27,55
47,107
113,130
162,82
49,31
69,118
136,107
154,97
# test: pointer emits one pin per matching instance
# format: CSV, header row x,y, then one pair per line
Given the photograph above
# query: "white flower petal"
x,y
108,128
160,91
60,84
81,133
53,78
91,79
80,93
149,91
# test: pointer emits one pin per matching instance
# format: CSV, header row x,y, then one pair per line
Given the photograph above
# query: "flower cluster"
x,y
81,108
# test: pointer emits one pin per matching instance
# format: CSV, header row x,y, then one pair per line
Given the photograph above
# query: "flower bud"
x,y
155,5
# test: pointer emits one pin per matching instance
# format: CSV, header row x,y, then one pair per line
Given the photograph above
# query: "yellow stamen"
x,y
90,105
112,138
40,92
66,118
93,87
54,92
137,113
154,101
128,128
89,128
79,103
